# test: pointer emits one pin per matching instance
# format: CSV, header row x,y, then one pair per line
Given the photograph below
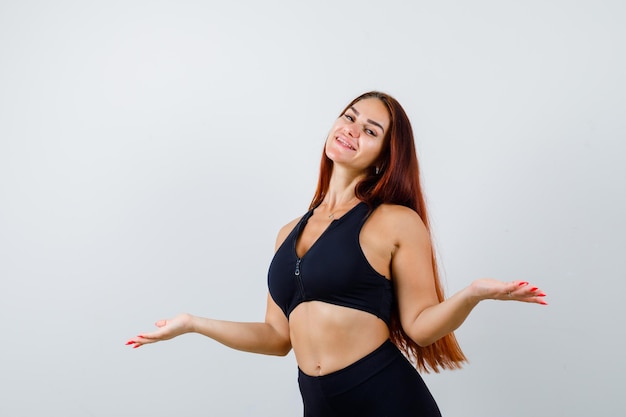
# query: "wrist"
x,y
472,295
190,323
201,325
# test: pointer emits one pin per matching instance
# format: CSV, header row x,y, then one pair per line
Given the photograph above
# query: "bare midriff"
x,y
326,337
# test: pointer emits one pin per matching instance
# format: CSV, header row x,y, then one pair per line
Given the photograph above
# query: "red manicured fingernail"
x,y
533,289
521,284
136,346
543,302
130,342
541,295
140,336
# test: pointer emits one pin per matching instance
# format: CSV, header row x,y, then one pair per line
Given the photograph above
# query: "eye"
x,y
370,132
347,116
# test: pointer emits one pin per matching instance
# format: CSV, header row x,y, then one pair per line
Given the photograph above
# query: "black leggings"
x,y
382,384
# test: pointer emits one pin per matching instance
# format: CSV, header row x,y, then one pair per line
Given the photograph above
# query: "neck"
x,y
341,190
333,202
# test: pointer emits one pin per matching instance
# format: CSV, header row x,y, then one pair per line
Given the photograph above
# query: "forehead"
x,y
373,109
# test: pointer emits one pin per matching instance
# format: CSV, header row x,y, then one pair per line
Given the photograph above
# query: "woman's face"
x,y
356,138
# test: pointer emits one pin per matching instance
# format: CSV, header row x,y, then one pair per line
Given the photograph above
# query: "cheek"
x,y
331,134
375,148
329,139
374,153
327,146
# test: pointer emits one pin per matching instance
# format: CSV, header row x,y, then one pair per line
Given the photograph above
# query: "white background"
x,y
150,151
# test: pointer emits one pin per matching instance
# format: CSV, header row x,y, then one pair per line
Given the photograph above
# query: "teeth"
x,y
345,143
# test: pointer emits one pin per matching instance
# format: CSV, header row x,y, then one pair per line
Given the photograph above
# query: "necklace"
x,y
331,216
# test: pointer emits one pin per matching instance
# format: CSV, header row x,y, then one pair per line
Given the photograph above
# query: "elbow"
x,y
283,350
423,339
421,330
280,347
417,334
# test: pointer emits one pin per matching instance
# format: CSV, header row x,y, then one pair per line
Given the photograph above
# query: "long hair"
x,y
398,182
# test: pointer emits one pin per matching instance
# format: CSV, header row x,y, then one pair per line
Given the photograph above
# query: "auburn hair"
x,y
396,180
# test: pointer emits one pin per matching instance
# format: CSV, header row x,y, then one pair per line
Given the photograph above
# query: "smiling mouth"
x,y
344,143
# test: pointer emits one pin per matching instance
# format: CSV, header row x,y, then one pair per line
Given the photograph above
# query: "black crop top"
x,y
334,270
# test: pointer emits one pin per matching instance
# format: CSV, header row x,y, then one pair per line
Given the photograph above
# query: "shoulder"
x,y
403,222
399,216
284,232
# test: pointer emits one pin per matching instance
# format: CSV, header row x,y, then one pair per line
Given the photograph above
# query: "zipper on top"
x,y
298,276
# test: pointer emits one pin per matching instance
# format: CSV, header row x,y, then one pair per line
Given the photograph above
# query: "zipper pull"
x,y
298,266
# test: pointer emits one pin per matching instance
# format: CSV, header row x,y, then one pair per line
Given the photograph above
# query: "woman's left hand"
x,y
492,289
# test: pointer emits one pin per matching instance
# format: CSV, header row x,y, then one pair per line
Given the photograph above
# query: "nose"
x,y
351,130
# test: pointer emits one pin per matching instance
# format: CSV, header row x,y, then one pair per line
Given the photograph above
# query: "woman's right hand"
x,y
168,329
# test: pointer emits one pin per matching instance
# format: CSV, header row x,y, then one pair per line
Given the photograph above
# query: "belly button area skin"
x,y
318,367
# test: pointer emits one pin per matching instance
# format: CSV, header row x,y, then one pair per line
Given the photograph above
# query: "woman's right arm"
x,y
270,337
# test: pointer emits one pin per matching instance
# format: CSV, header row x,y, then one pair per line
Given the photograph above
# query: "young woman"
x,y
353,286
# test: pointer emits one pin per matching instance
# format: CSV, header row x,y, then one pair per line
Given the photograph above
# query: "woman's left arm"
x,y
422,316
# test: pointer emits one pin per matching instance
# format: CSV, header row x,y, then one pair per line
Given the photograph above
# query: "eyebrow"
x,y
368,120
